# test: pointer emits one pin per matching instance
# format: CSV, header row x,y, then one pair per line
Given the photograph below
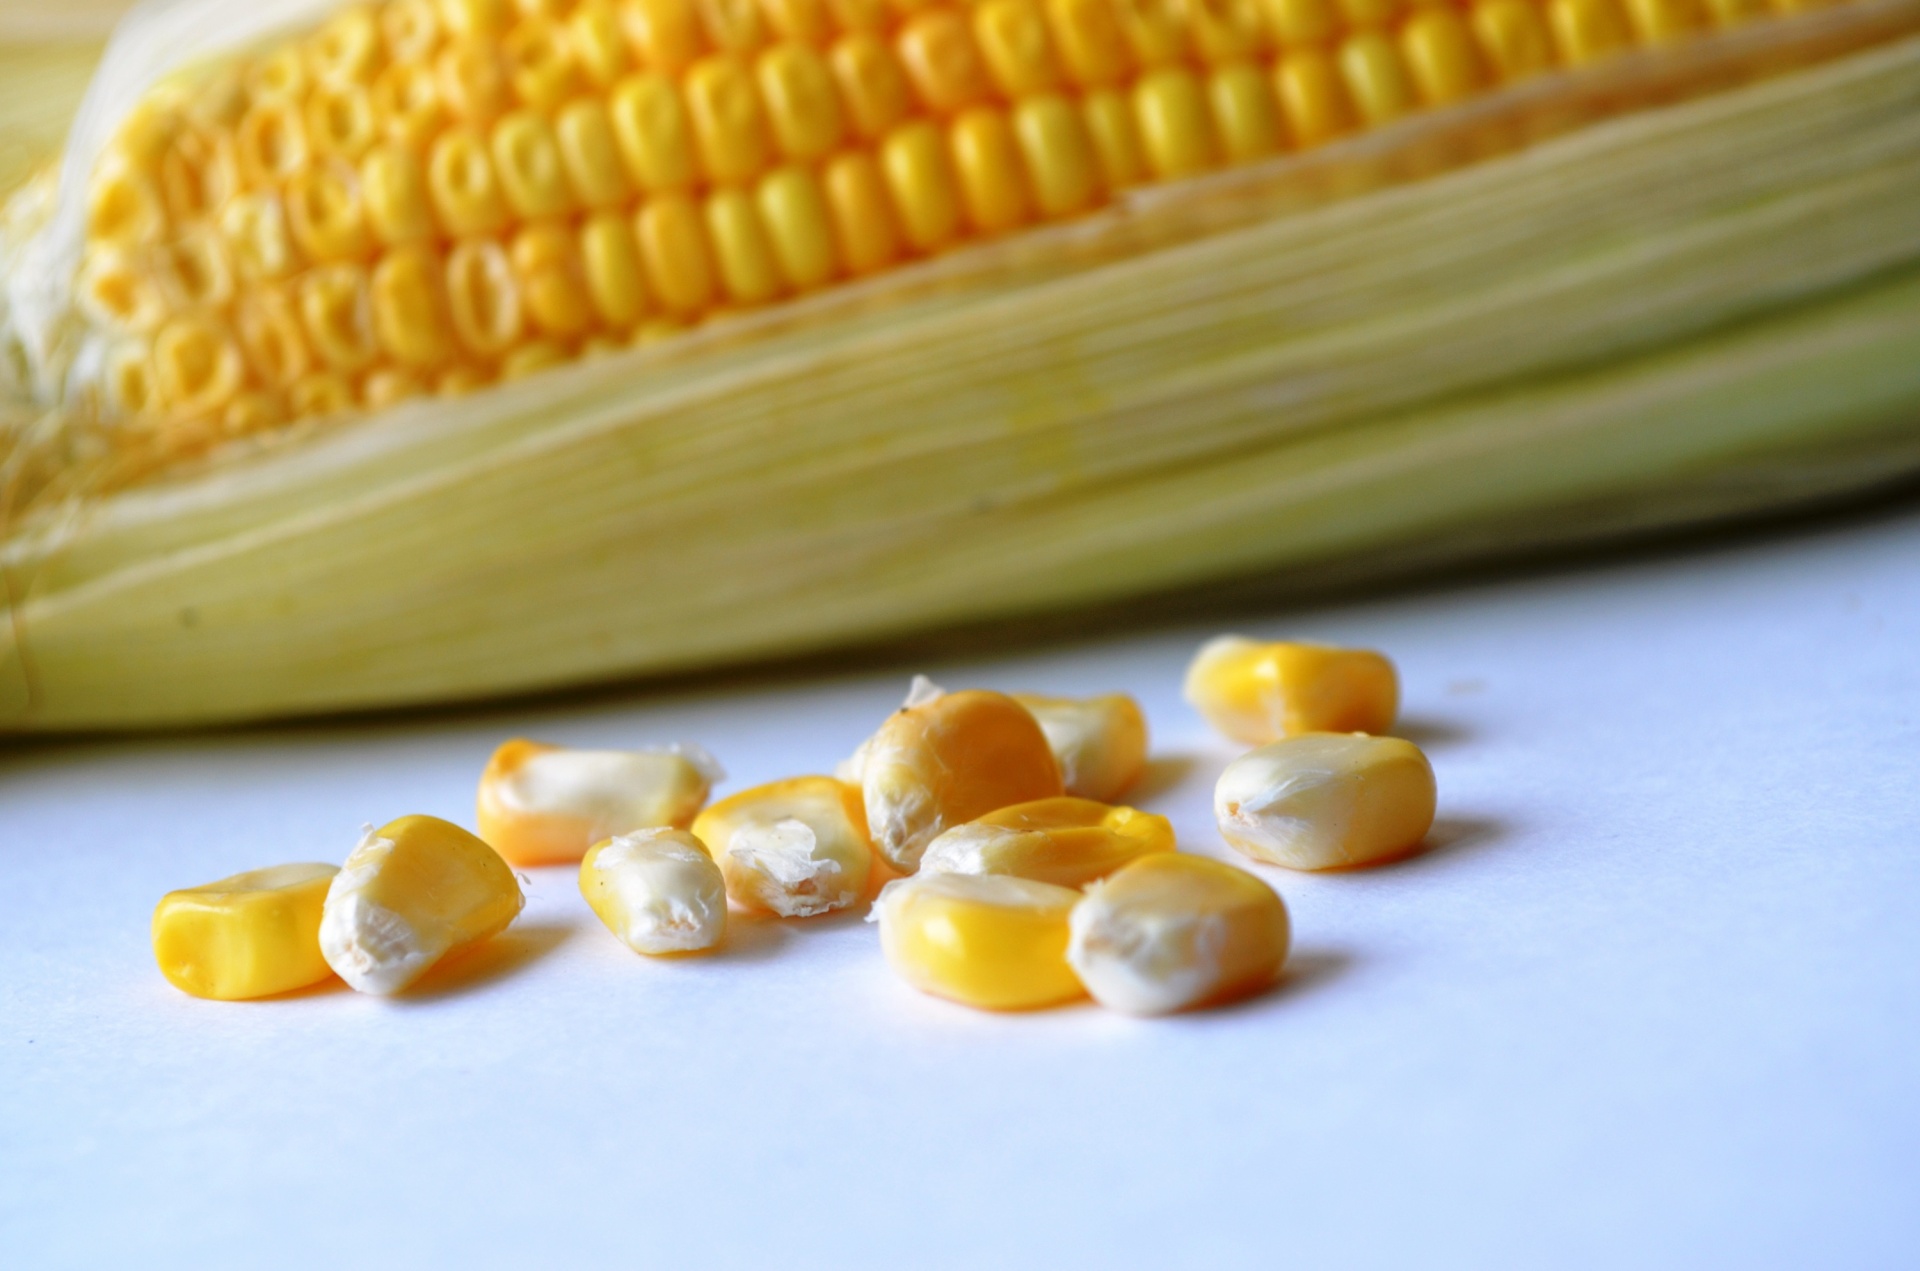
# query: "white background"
x,y
1652,999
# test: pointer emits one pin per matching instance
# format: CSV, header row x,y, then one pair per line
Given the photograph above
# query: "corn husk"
x,y
1445,339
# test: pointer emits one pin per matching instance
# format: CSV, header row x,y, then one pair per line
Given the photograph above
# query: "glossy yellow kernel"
x,y
389,386
802,21
1661,21
463,187
279,74
527,163
1227,30
945,759
539,804
1246,115
942,62
1370,13
326,213
1059,155
748,271
1441,56
733,26
540,65
1170,932
553,283
198,173
117,290
793,848
337,315
393,189
130,381
658,890
1066,841
413,892
1313,97
673,246
921,181
271,142
1513,38
319,395
1156,31
665,33
589,155
650,125
251,935
1376,77
193,271
1116,138
616,281
483,298
1300,23
993,179
1176,128
728,121
1587,30
197,366
1012,36
410,308
1099,742
989,941
799,227
1255,692
474,19
252,412
803,106
872,86
473,83
267,322
864,231
1092,47
410,29
347,48
599,44
1326,800
124,207
407,105
341,122
858,15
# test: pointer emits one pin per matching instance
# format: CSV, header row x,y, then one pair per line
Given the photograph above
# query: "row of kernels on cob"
x,y
425,197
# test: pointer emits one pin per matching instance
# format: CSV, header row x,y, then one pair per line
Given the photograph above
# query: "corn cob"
x,y
1053,379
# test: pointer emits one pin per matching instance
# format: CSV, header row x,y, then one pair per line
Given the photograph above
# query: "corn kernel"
x,y
258,240
993,182
802,104
1659,21
872,86
858,15
733,26
130,380
1586,30
798,225
728,120
268,324
591,156
1312,97
526,157
393,192
802,21
665,33
326,213
115,291
1246,117
920,178
1326,800
539,64
472,19
1100,743
1370,13
615,279
947,758
538,804
279,75
1068,842
319,395
1116,138
346,49
984,940
483,297
251,935
553,285
1256,692
1091,44
463,186
1155,30
473,84
1376,77
271,142
1059,154
1227,30
673,246
413,892
193,271
942,62
341,122
1176,133
599,45
197,367
1513,37
740,247
655,139
1012,35
1440,54
1300,23
410,308
863,225
794,848
338,315
1171,931
198,173
389,386
411,29
657,890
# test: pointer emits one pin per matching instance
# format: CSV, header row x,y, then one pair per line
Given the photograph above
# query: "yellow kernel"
x,y
728,122
984,940
193,271
1440,53
539,64
590,156
1513,38
657,890
410,308
673,246
540,804
872,86
393,190
1660,21
526,157
1312,97
801,101
599,45
483,298
326,213
1059,155
740,248
124,207
1227,30
858,15
251,935
1299,23
411,29
341,122
463,187
1116,138
532,358
198,173
319,395
733,26
472,19
337,314
942,62
271,142
615,279
1012,35
1170,932
803,21
1586,30
197,367
1326,800
650,125
1092,46
553,284
407,104
1376,77
278,75
1246,117
413,892
794,848
1068,842
1100,742
1370,13
347,48
473,83
1156,31
986,158
948,758
666,33
130,380
268,324
863,225
921,180
1254,692
389,387
115,289
799,227
1176,133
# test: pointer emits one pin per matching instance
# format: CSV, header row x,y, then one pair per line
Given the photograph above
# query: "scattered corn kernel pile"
x,y
423,197
1011,886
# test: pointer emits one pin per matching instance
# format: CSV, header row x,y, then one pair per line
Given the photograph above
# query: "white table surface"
x,y
1651,1000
